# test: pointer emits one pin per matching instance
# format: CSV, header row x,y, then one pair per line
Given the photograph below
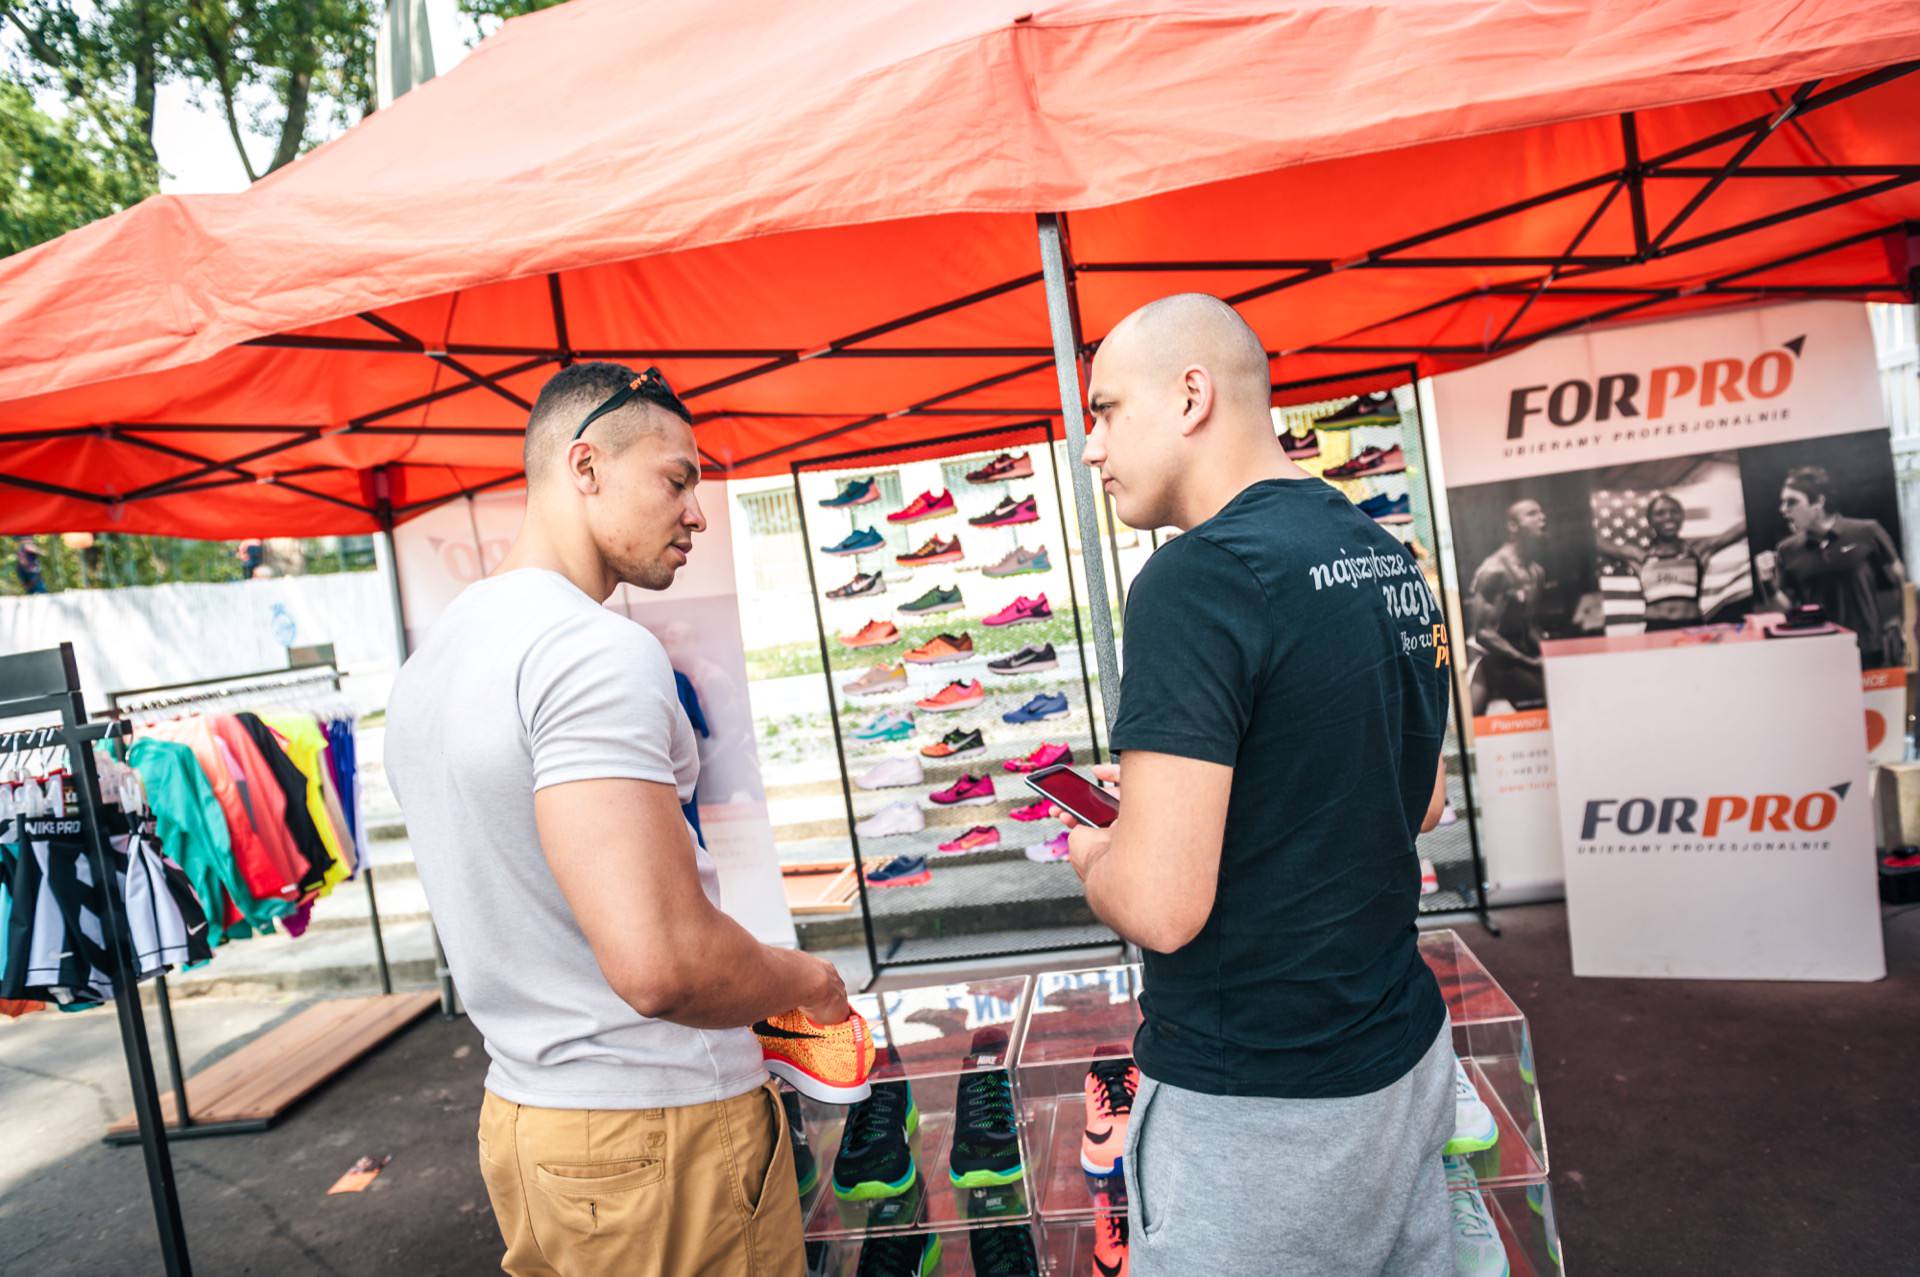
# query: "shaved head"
x,y
564,403
1180,394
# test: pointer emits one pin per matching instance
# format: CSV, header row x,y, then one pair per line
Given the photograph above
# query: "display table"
x,y
1714,808
1048,1029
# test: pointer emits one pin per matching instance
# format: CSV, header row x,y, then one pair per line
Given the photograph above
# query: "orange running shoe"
x,y
872,634
1109,1237
954,696
941,650
1109,1089
830,1063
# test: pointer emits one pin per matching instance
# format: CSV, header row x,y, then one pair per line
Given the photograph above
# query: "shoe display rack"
x,y
953,649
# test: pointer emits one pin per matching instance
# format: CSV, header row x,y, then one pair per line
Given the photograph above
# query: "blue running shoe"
x,y
1044,705
1384,509
888,726
901,871
856,492
859,541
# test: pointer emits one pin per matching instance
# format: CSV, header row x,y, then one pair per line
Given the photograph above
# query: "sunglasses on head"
x,y
650,386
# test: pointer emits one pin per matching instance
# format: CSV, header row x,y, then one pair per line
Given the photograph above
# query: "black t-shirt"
x,y
1840,572
1291,638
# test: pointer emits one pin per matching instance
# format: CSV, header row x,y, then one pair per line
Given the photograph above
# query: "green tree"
x,y
58,174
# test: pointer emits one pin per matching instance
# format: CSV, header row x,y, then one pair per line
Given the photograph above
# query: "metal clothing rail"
x,y
43,682
201,692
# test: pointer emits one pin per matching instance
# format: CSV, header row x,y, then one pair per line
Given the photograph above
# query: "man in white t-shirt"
x,y
541,756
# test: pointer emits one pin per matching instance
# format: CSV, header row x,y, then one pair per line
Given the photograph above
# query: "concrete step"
x,y
323,960
971,896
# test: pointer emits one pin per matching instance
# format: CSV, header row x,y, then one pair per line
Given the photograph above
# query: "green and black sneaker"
x,y
934,600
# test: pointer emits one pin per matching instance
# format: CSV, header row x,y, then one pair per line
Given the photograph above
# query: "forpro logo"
x,y
1655,393
1720,822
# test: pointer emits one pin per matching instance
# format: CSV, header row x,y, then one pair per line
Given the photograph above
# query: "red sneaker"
x,y
1041,810
979,838
968,791
1045,756
924,506
1109,1089
954,696
1021,611
872,634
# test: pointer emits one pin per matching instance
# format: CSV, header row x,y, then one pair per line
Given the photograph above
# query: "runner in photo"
x,y
1672,569
1503,615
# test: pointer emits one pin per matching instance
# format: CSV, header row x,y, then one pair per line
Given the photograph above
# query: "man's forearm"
x,y
1107,895
720,977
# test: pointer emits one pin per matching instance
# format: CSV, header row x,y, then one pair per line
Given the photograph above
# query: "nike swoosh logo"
x,y
1105,1269
194,931
765,1030
1100,1138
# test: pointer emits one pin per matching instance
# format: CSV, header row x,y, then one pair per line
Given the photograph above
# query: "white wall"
x,y
145,635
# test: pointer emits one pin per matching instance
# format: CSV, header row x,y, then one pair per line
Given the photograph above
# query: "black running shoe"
x,y
805,1169
863,583
1367,410
874,1159
1300,447
899,1255
1004,1252
985,1152
1027,660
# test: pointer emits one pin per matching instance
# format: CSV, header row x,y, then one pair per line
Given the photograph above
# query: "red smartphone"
x,y
1076,793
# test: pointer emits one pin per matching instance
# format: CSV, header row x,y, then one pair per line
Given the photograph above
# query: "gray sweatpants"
x,y
1236,1185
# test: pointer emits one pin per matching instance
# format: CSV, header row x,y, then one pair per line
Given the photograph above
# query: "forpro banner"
x,y
1657,477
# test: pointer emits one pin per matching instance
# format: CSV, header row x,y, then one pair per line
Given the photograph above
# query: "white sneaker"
x,y
892,773
1473,1126
1477,1250
901,817
1448,816
1429,877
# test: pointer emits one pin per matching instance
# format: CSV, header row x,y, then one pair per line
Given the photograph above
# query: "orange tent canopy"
x,y
820,223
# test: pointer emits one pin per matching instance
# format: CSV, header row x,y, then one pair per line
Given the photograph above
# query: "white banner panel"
x,y
1715,811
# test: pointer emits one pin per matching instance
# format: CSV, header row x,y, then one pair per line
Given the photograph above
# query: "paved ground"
x,y
1696,1128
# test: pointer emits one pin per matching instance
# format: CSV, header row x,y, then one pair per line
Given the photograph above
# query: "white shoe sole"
x,y
1025,620
929,611
887,833
949,709
939,660
988,801
875,691
813,1088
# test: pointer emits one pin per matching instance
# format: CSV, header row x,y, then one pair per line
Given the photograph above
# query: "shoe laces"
x,y
876,1117
1470,1217
1115,1080
886,1255
1112,1227
988,1100
1004,1249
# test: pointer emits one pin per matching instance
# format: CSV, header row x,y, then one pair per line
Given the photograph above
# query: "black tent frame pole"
x,y
48,681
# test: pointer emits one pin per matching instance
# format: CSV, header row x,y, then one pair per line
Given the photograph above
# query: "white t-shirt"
x,y
525,682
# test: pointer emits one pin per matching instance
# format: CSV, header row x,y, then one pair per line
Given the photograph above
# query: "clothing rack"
x,y
354,1026
48,682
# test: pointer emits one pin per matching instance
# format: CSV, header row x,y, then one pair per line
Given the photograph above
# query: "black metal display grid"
x,y
915,933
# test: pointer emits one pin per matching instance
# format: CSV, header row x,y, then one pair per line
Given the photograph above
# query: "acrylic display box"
x,y
932,1038
1491,1039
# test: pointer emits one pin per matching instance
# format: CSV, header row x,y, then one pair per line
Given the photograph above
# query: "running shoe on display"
x,y
1028,660
924,506
1381,508
1044,705
863,584
878,679
1368,410
1369,461
1474,1129
806,1170
1109,1088
899,1255
894,773
934,600
968,791
985,1152
856,492
901,817
1040,809
1526,1056
872,634
956,742
1045,756
979,838
1477,1250
1054,848
1008,513
954,696
888,725
826,1062
942,649
874,1159
901,871
1022,611
1020,562
1540,1202
1429,879
936,550
1109,1237
1001,468
1300,447
1003,1252
858,541
1448,816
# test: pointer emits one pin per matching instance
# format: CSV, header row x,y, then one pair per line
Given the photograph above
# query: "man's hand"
x,y
829,1004
1087,843
1151,875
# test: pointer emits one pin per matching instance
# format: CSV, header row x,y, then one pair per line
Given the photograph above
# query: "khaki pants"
x,y
644,1192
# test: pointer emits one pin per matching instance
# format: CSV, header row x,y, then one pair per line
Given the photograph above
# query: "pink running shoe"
x,y
1054,848
1045,756
968,791
979,838
1040,810
1021,611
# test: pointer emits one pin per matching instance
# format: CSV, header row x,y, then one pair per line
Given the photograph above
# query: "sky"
x,y
196,150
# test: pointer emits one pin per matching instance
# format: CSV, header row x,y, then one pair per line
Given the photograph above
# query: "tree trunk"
x,y
146,82
293,130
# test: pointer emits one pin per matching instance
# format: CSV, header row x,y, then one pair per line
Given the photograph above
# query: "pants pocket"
x,y
1133,1161
766,1156
593,1199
